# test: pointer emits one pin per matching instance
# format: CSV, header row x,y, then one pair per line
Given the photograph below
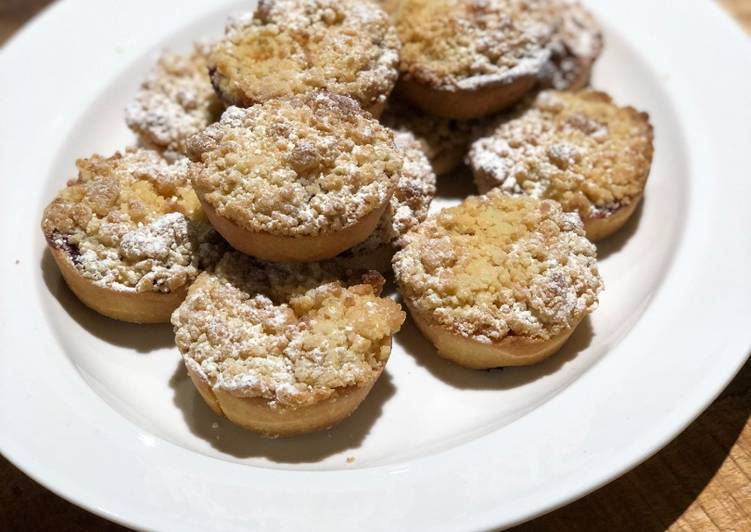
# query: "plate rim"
x,y
736,43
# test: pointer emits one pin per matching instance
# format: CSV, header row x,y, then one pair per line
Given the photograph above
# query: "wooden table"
x,y
701,481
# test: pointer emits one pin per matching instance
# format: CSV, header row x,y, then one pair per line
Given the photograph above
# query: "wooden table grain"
x,y
701,481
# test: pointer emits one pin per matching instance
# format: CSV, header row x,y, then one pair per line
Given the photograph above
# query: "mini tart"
x,y
175,101
445,141
289,47
577,148
467,59
498,280
284,349
409,206
129,236
296,178
576,45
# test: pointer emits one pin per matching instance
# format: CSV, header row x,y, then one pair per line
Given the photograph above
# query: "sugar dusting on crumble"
x,y
498,266
577,148
410,202
575,46
132,222
460,44
289,47
445,141
296,166
175,101
292,334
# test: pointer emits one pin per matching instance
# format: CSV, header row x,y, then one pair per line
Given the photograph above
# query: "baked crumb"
x,y
410,202
577,148
576,44
350,460
498,266
175,101
291,47
296,166
445,141
292,334
132,222
467,44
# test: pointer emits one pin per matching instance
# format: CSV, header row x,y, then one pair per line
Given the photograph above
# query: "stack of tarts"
x,y
276,180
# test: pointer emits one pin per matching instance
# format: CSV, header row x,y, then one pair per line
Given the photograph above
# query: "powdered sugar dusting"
x,y
291,334
131,222
575,46
451,45
175,101
298,165
345,47
499,266
568,147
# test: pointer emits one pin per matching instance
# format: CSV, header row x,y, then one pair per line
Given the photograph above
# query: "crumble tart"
x,y
129,236
445,141
284,349
408,206
578,148
289,47
299,178
467,59
175,101
576,45
498,280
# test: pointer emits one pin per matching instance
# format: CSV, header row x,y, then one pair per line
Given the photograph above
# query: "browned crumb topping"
x,y
467,44
444,140
579,149
292,334
131,222
575,46
175,101
296,166
289,47
498,266
410,202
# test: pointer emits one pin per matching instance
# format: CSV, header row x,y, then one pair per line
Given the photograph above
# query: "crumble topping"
x,y
290,47
575,46
297,165
579,149
132,222
175,101
410,202
468,44
444,140
498,266
289,333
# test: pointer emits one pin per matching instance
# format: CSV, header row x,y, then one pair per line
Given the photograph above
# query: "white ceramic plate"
x,y
102,412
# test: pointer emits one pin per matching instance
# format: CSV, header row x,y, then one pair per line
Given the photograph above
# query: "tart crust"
x,y
498,280
129,236
296,178
578,148
130,306
254,413
465,104
511,351
293,47
464,59
285,349
280,248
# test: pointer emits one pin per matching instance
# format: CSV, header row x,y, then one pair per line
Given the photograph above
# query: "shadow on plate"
x,y
141,338
616,242
456,185
228,438
425,354
692,484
